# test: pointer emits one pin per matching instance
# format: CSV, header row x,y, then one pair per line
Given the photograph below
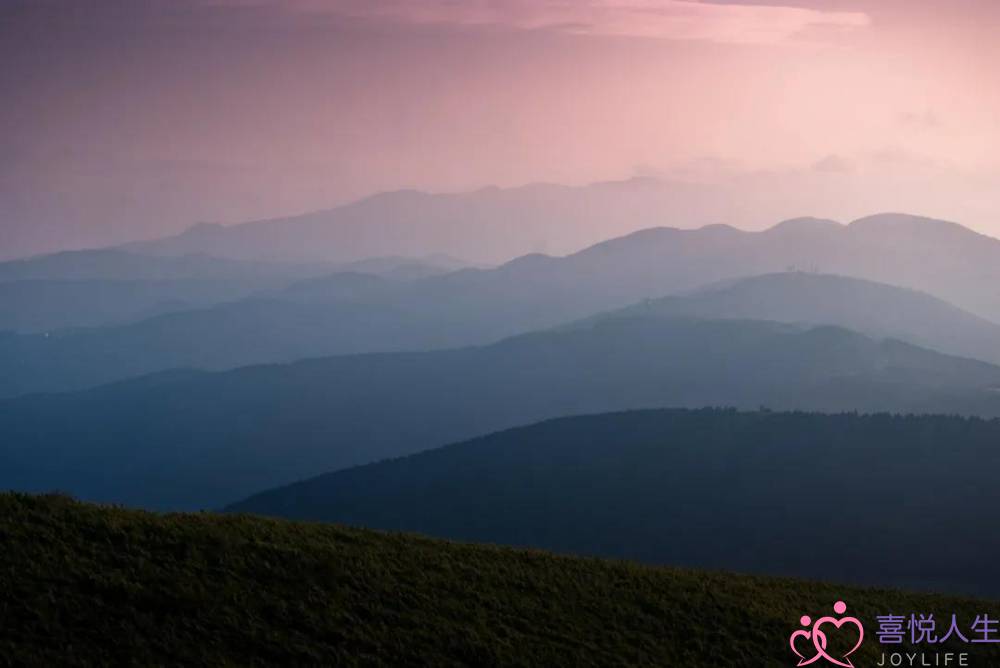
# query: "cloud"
x,y
833,164
926,120
659,19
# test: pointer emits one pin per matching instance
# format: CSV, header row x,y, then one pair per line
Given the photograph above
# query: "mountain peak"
x,y
635,181
805,223
931,230
720,229
892,220
644,238
203,227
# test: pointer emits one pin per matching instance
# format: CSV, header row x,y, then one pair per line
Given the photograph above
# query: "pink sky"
x,y
126,120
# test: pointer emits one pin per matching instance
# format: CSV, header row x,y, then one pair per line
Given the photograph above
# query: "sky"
x,y
132,119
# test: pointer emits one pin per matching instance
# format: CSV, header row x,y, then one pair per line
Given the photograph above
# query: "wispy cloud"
x,y
833,164
662,19
925,120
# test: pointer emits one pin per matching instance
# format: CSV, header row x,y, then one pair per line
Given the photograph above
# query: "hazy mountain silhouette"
x,y
403,268
875,309
840,497
493,225
534,291
109,287
41,306
190,439
348,312
489,225
342,313
110,264
942,259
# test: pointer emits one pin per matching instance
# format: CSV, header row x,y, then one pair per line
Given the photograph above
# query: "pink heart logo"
x,y
819,638
795,636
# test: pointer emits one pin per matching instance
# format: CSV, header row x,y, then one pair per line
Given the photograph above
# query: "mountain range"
x,y
99,288
494,225
942,258
346,312
875,309
191,439
111,264
229,363
490,225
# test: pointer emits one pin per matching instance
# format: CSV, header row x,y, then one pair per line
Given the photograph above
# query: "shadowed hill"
x,y
873,499
488,225
216,590
115,264
108,264
109,287
204,439
106,288
44,307
875,309
944,259
339,314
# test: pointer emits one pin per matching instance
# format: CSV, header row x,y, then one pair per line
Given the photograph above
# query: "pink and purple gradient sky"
x,y
126,119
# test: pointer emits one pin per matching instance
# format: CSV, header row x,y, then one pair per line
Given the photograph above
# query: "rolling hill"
x,y
107,288
47,306
347,313
942,258
490,225
111,264
874,309
224,336
874,499
188,440
221,590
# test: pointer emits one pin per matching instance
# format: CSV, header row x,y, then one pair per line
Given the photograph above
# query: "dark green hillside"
x,y
873,499
82,584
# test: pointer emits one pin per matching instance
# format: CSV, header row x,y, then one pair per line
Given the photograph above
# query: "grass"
x,y
86,584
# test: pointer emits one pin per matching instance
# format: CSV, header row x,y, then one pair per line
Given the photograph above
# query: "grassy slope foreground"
x,y
88,584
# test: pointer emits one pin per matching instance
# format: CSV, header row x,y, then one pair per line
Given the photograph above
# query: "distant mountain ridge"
x,y
47,306
112,264
106,288
338,314
943,259
495,225
193,440
874,309
119,264
489,225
